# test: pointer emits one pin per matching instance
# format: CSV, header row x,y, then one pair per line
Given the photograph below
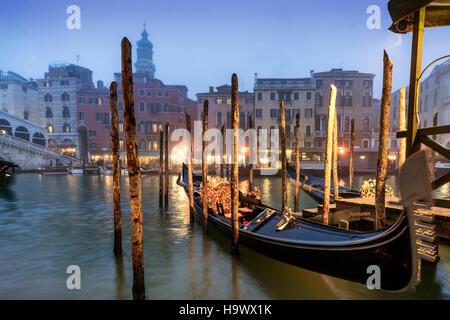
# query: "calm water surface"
x,y
50,222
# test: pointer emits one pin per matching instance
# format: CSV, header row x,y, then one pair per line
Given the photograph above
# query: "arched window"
x,y
65,97
5,103
51,143
49,128
142,144
366,124
66,112
5,127
166,107
48,112
242,119
38,138
66,128
48,97
22,133
120,126
67,143
219,119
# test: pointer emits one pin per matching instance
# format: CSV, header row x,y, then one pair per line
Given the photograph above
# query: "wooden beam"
x,y
250,166
205,167
427,131
189,166
414,84
166,165
439,182
352,149
402,126
297,160
436,146
284,205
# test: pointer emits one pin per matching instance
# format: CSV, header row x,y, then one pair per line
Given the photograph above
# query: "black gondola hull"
x,y
389,250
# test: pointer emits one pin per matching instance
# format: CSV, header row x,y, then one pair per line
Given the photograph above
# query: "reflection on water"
x,y
50,222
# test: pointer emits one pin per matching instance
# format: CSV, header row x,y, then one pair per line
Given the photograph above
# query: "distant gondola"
x,y
7,170
314,186
321,248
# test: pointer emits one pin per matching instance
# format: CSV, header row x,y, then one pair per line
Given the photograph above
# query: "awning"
x,y
437,14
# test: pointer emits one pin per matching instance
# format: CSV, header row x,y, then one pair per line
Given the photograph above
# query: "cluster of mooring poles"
x,y
133,173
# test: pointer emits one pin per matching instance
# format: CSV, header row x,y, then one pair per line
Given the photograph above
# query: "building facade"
x,y
58,105
19,96
219,107
298,96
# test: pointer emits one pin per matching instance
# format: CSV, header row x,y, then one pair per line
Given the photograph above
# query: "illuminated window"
x,y
155,145
50,129
121,126
121,144
155,127
228,100
219,101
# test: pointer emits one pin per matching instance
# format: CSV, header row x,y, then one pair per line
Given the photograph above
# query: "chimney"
x,y
211,89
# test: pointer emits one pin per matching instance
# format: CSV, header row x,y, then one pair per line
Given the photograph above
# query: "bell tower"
x,y
144,63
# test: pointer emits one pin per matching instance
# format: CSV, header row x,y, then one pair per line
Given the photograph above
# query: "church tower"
x,y
144,62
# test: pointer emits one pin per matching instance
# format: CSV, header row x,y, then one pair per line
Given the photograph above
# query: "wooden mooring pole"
x,y
189,166
250,166
380,194
222,160
235,170
335,155
433,153
328,155
402,127
161,167
297,161
116,170
352,150
284,206
134,174
205,167
166,165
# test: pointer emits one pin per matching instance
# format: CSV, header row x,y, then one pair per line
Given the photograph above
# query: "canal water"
x,y
48,223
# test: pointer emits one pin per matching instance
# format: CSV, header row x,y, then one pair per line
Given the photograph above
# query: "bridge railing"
x,y
34,147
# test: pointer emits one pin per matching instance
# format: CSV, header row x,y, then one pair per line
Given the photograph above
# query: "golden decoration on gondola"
x,y
368,189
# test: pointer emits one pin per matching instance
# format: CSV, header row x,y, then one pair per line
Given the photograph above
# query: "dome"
x,y
144,42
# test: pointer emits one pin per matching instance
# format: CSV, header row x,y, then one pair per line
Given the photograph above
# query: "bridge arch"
x,y
22,133
38,138
5,127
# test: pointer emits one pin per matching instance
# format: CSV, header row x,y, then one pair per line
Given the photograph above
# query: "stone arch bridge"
x,y
25,143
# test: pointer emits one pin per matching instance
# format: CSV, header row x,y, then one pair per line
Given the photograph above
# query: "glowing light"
x,y
362,157
341,150
392,157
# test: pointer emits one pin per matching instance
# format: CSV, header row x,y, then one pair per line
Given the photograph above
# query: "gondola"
x,y
314,186
7,170
344,254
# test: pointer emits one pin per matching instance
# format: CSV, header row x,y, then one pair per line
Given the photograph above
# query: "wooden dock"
x,y
359,214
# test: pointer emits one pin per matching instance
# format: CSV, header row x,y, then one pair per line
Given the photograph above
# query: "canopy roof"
x,y
437,13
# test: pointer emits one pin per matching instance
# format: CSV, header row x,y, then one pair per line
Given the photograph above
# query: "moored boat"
x,y
345,254
7,171
314,186
76,170
54,170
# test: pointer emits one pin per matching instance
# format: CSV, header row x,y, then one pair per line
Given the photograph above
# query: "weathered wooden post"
x,y
222,130
328,155
205,166
161,167
116,170
189,166
297,161
352,149
166,165
335,155
134,174
284,206
433,154
250,166
235,171
402,126
380,194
